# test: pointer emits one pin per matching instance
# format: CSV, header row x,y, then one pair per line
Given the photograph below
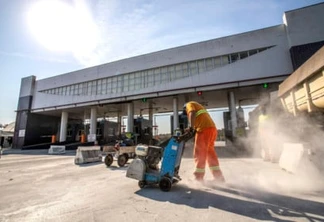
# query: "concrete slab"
x,y
31,190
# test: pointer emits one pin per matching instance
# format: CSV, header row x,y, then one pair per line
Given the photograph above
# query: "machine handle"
x,y
186,136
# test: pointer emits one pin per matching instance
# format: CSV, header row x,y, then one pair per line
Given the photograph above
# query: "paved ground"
x,y
35,186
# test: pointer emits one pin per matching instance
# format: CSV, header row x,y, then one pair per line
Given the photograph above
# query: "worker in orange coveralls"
x,y
206,134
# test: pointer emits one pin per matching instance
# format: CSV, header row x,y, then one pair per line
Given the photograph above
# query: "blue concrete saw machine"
x,y
146,166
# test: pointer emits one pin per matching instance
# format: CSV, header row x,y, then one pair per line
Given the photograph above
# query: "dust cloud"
x,y
300,170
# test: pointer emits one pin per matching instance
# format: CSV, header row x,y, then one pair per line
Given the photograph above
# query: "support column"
x,y
119,123
63,130
232,109
22,131
93,121
151,119
130,117
175,114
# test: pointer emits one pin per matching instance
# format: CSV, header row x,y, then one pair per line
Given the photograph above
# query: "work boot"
x,y
199,176
218,176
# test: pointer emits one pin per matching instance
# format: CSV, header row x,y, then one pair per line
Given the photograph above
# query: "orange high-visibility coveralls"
x,y
206,134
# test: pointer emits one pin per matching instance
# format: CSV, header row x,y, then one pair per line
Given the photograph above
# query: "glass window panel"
x,y
72,89
108,84
68,90
99,86
83,87
225,60
164,70
209,64
94,88
120,83
76,88
89,88
114,86
217,61
178,72
178,75
252,52
125,83
131,85
171,72
104,86
193,68
234,57
150,80
243,55
64,90
156,76
156,71
201,66
261,50
185,70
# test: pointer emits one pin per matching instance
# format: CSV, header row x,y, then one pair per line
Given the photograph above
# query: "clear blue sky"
x,y
45,38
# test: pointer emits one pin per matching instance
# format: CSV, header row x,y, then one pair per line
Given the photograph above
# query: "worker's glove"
x,y
189,130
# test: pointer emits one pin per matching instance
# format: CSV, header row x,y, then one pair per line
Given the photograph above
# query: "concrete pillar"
x,y
130,117
93,120
119,123
175,114
63,130
151,118
23,111
232,109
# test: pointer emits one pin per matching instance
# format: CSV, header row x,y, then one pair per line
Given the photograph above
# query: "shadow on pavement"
x,y
89,164
282,206
114,168
36,152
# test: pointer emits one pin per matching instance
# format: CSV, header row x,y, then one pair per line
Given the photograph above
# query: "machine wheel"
x,y
141,183
165,184
122,160
108,160
127,157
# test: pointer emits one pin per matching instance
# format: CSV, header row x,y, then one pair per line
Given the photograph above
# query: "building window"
x,y
104,86
252,52
131,81
114,84
225,60
150,78
243,55
109,84
164,75
157,77
171,72
99,87
125,83
209,64
178,71
234,57
185,70
217,62
201,66
120,83
193,68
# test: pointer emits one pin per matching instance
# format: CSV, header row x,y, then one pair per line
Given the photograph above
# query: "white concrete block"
x,y
55,149
88,154
293,156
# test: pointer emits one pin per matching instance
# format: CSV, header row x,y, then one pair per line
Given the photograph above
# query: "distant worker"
x,y
206,134
264,130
